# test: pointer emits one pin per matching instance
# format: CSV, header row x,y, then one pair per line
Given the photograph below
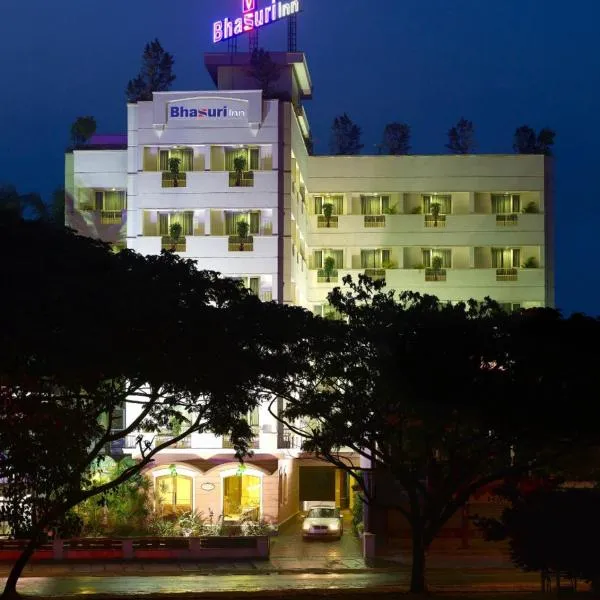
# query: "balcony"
x,y
507,275
431,221
254,443
435,274
239,244
245,179
374,221
375,274
168,180
332,222
183,444
507,220
324,277
288,441
111,217
179,245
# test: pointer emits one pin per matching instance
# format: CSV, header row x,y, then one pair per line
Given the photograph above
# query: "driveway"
x,y
290,551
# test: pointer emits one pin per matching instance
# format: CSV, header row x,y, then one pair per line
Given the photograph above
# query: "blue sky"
x,y
426,62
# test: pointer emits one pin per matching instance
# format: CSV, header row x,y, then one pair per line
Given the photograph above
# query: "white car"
x,y
322,522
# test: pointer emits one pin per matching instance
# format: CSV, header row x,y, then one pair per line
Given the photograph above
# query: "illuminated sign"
x,y
253,18
223,112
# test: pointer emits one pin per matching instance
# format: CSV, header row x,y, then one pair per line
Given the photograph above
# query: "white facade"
x,y
491,234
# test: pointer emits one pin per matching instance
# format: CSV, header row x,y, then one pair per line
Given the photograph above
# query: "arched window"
x,y
174,493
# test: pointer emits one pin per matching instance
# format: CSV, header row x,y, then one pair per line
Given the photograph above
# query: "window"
x,y
506,258
374,205
510,307
319,257
174,493
185,156
503,204
185,219
336,201
374,259
118,418
109,200
250,155
252,283
444,200
429,254
232,218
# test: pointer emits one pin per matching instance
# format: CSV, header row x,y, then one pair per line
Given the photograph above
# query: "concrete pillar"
x,y
369,547
58,549
471,202
127,549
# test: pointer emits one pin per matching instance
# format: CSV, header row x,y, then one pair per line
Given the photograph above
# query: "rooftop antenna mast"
x,y
293,33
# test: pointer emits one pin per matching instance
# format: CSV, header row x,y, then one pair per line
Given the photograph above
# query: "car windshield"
x,y
323,513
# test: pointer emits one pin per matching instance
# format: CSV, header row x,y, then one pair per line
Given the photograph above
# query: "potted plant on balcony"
x,y
531,263
239,166
436,266
328,212
242,231
435,213
328,267
531,208
174,170
175,231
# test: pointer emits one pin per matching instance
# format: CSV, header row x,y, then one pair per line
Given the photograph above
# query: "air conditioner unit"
x,y
268,428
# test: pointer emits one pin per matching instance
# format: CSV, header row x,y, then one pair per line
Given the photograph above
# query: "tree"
x,y
461,137
549,530
526,141
156,74
396,139
328,267
15,206
71,357
82,130
242,230
239,166
265,71
434,441
328,212
345,136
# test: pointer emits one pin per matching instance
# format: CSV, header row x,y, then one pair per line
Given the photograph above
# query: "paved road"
x,y
438,580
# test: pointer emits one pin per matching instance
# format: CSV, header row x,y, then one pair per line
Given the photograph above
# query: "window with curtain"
x,y
175,493
319,257
185,156
374,205
503,204
109,200
250,155
430,253
337,202
252,283
506,258
374,259
232,218
444,200
185,219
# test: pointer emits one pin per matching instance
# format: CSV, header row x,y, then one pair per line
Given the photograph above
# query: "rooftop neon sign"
x,y
253,18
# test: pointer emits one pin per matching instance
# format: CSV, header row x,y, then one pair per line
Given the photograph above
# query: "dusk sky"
x,y
499,63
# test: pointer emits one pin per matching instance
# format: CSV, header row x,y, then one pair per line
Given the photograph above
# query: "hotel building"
x,y
458,227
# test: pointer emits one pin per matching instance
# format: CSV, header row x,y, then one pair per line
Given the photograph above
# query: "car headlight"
x,y
305,526
334,526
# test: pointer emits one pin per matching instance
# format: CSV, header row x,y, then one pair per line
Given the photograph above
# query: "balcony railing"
x,y
168,180
324,222
167,243
254,444
504,220
239,244
111,217
374,221
266,296
245,179
287,440
507,274
183,444
431,221
375,273
435,274
323,277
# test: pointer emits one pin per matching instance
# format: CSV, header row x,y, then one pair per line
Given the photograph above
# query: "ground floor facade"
x,y
265,487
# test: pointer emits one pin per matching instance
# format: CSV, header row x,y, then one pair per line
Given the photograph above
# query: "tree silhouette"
x,y
526,141
461,137
83,129
264,70
156,74
345,136
396,139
